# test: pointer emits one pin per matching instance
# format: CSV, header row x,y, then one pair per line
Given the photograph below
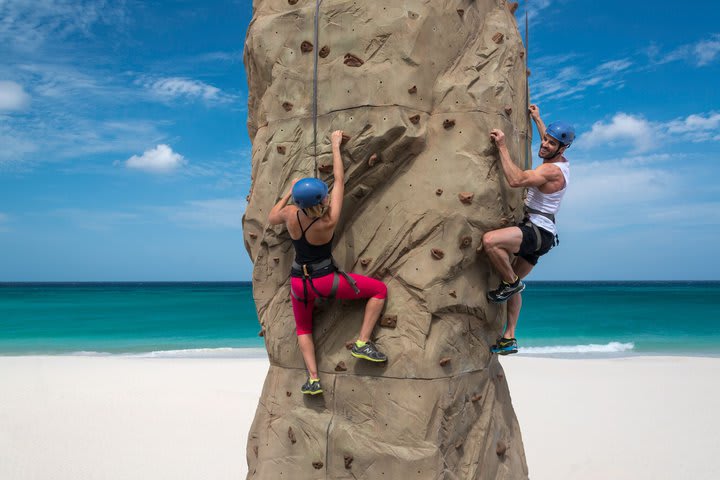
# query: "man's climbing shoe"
x,y
504,346
311,387
368,352
505,291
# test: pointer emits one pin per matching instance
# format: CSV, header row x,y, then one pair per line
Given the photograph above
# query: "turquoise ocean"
x,y
219,320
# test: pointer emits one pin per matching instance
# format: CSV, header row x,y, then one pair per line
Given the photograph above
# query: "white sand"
x,y
133,418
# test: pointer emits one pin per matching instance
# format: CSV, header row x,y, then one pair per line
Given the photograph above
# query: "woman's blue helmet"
x,y
308,192
562,132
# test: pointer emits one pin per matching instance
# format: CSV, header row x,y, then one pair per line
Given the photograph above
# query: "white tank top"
x,y
547,202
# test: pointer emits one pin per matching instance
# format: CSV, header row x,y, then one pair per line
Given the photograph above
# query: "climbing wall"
x,y
417,85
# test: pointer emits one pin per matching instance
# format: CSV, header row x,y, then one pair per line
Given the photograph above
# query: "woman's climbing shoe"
x,y
504,346
312,387
369,352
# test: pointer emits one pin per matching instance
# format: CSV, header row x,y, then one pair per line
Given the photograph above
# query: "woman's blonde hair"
x,y
316,211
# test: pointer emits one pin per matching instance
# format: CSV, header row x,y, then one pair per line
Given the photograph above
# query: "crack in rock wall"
x,y
417,85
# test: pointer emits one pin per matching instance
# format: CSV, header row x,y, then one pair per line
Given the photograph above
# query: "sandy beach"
x,y
132,418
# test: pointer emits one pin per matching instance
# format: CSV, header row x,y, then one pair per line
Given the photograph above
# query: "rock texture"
x,y
417,85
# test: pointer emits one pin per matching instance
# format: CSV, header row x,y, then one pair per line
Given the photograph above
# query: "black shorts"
x,y
529,247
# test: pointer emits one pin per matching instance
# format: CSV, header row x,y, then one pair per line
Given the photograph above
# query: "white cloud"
x,y
707,50
622,129
179,87
212,213
696,127
160,159
13,96
573,80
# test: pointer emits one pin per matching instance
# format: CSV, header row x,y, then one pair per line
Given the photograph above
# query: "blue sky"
x,y
124,153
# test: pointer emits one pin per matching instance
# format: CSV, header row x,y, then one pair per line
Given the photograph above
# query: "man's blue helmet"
x,y
308,192
562,132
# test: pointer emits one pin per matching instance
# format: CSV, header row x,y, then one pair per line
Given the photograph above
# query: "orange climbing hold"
x,y
466,197
437,253
352,61
498,37
444,361
306,47
281,149
388,321
324,51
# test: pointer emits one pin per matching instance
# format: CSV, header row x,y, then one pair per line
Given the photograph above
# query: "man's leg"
x,y
521,268
500,245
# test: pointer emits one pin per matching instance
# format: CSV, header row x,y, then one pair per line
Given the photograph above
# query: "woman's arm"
x,y
336,197
278,213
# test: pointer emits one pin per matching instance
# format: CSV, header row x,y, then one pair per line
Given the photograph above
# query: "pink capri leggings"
x,y
369,287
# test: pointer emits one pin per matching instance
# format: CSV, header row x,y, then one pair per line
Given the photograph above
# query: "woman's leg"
x,y
303,324
369,287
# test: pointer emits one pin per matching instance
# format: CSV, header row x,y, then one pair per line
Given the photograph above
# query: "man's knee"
x,y
490,239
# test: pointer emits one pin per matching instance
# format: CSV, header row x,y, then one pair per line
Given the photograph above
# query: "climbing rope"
x,y
528,129
315,82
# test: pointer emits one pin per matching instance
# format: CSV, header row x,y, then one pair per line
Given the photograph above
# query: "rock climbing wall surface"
x,y
417,85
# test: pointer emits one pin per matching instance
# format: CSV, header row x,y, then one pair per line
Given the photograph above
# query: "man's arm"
x,y
517,177
535,115
277,214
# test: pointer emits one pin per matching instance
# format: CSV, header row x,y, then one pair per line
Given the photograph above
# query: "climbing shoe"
x,y
368,352
504,346
311,387
505,291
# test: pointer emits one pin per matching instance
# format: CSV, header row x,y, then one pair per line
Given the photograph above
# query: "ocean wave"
x,y
612,347
226,352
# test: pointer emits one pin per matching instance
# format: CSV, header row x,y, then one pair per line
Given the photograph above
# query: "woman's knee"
x,y
382,291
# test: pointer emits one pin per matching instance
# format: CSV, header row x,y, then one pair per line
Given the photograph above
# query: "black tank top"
x,y
305,252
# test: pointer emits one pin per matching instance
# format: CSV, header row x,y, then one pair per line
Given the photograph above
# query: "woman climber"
x,y
311,225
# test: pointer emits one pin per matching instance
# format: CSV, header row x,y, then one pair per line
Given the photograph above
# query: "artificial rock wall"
x,y
417,85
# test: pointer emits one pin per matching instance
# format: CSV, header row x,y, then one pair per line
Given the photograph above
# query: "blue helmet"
x,y
308,192
562,132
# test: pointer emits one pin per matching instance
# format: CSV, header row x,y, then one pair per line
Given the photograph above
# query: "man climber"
x,y
536,234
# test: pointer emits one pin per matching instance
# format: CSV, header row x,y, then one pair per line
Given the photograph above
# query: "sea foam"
x,y
612,347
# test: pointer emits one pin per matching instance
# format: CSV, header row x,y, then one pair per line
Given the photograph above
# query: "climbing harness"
x,y
315,83
309,271
536,229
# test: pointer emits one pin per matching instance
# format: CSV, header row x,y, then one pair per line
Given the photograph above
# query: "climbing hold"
x,y
527,72
439,192
498,37
448,123
388,321
412,90
292,2
444,361
475,398
465,242
352,61
437,253
373,159
341,367
255,449
349,345
252,235
501,448
288,393
461,12
291,436
513,6
348,461
365,261
324,51
415,119
306,47
466,197
522,53
508,109
247,199
317,465
287,106
281,149
453,294
325,168
262,332
276,259
345,138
